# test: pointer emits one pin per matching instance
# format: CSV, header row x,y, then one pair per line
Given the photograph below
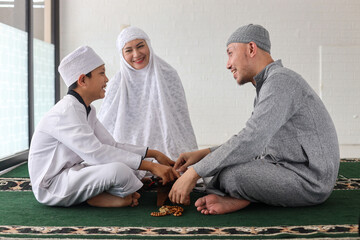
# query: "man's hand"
x,y
190,158
180,191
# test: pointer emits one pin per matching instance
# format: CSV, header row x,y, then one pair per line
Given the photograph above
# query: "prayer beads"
x,y
167,210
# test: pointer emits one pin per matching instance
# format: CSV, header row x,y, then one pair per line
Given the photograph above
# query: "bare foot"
x,y
107,200
215,204
135,196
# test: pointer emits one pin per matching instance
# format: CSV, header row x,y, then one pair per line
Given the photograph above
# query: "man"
x,y
73,158
287,154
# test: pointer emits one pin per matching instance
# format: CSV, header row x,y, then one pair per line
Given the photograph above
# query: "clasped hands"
x,y
169,171
164,170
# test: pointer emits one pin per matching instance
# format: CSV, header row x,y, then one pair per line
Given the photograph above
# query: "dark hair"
x,y
74,85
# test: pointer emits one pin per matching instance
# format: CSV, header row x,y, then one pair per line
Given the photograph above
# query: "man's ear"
x,y
81,80
252,49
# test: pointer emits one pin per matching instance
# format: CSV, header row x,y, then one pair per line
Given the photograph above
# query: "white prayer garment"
x,y
73,158
147,106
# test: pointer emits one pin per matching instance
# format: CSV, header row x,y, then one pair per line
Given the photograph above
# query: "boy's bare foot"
x,y
215,204
135,196
107,200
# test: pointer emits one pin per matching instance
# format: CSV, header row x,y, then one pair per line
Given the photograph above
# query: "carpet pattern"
x,y
184,231
23,184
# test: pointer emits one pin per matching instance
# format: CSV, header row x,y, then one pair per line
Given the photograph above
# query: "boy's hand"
x,y
166,173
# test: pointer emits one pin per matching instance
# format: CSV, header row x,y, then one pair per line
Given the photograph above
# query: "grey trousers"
x,y
261,180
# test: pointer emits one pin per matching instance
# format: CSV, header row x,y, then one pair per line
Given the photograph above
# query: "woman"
x,y
145,102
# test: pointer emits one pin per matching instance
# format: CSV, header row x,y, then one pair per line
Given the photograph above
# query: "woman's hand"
x,y
190,158
160,157
163,159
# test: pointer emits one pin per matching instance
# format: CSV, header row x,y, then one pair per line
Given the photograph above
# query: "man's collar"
x,y
263,74
80,99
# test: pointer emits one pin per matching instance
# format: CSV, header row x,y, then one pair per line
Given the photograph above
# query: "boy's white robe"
x,y
73,158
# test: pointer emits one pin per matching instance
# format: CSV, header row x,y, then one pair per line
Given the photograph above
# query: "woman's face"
x,y
136,53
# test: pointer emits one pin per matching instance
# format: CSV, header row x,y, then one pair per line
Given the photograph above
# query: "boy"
x,y
73,158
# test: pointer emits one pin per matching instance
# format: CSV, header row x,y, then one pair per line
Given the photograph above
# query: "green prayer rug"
x,y
23,217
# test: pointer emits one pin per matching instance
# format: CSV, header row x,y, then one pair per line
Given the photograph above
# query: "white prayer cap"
x,y
81,61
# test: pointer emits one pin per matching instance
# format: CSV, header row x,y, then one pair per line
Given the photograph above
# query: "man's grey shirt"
x,y
290,126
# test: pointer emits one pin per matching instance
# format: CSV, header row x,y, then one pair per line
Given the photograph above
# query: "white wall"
x,y
191,36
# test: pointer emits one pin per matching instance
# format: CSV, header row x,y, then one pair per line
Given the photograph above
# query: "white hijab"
x,y
148,106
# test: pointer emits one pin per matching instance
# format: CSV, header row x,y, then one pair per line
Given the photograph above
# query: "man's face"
x,y
97,83
238,62
136,53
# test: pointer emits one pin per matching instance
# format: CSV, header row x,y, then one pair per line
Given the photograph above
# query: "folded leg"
x,y
262,181
81,182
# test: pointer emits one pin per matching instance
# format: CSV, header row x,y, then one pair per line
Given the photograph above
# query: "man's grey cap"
x,y
251,33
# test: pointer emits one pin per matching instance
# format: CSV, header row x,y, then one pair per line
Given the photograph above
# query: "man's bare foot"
x,y
215,204
107,200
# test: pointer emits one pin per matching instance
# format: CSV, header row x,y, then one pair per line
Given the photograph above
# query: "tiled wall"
x,y
191,36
